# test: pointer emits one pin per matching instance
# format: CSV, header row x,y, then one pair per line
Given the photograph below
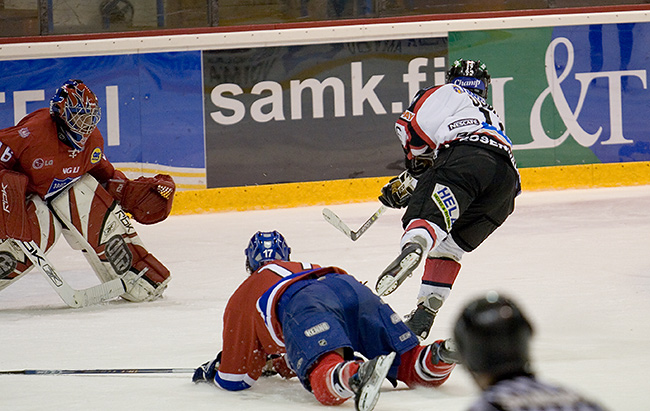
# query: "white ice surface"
x,y
577,261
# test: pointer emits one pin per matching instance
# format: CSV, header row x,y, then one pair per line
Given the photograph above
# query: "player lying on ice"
x,y
313,322
56,179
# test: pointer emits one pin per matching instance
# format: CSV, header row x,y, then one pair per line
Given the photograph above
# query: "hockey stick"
x,y
336,221
73,298
103,371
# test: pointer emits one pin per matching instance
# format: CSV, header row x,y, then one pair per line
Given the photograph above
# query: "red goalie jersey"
x,y
32,148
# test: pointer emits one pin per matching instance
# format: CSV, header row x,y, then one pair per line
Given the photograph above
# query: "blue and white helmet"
x,y
265,246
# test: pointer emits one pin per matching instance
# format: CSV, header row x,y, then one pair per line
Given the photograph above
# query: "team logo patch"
x,y
118,254
58,185
38,163
444,199
24,132
8,264
96,155
469,82
464,122
407,115
317,329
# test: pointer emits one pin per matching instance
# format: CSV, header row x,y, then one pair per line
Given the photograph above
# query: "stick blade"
x,y
101,293
336,221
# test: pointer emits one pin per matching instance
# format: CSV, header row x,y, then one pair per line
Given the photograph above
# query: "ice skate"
x,y
421,319
446,351
367,382
400,269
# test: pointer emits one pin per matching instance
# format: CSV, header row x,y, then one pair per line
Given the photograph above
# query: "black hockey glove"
x,y
419,164
397,193
276,364
207,371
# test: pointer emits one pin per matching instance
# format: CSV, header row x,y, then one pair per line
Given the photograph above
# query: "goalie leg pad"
x,y
43,227
96,224
12,263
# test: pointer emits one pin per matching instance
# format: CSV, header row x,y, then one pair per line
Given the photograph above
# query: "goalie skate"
x,y
399,270
366,383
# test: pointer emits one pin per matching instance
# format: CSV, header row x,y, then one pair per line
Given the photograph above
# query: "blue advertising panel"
x,y
152,108
607,90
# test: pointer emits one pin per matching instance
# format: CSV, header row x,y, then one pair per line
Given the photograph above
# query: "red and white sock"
x,y
438,277
329,379
418,369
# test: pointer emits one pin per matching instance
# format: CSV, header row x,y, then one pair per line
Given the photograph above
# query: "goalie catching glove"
x,y
398,191
148,199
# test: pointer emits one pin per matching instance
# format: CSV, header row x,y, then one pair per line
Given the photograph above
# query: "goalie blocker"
x,y
93,222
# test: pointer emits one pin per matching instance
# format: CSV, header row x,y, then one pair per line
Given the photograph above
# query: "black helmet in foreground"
x,y
493,336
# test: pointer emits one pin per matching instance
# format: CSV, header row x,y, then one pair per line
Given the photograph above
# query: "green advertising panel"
x,y
568,95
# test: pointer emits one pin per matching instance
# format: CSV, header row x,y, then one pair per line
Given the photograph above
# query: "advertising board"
x,y
260,108
314,112
152,111
571,94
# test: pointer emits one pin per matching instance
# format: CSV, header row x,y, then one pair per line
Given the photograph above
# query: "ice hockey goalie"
x,y
55,179
91,221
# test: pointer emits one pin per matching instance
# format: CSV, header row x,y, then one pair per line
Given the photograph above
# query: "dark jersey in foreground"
x,y
526,393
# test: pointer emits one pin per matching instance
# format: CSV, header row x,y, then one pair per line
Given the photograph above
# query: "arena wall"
x,y
292,115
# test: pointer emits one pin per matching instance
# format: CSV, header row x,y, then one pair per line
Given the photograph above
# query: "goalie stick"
x,y
73,298
336,221
103,371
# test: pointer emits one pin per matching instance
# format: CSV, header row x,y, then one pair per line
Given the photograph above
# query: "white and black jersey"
x,y
526,393
470,188
446,114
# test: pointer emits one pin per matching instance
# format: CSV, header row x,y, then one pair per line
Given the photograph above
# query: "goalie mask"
x,y
493,336
470,74
75,109
264,247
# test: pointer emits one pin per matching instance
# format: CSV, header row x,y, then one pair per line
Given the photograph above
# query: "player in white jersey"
x,y
459,185
493,338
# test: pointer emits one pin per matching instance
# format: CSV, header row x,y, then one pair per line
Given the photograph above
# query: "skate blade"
x,y
388,283
369,395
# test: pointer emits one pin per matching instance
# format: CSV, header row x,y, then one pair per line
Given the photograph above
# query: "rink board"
x,y
251,116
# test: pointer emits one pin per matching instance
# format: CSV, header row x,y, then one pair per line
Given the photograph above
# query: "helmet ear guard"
x,y
75,108
470,74
264,247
